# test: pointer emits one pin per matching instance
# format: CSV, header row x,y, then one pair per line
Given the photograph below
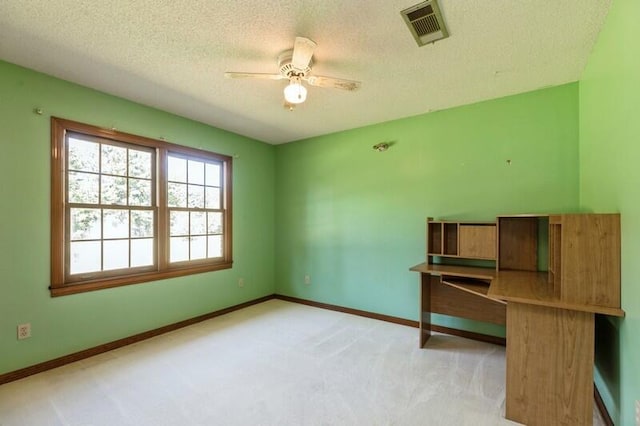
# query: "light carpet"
x,y
276,363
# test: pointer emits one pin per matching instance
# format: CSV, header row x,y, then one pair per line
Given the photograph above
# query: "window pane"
x,y
142,252
116,254
212,175
85,224
214,223
179,249
139,164
139,192
83,188
114,190
179,223
115,223
196,172
215,245
177,195
141,223
196,196
212,198
177,169
114,160
198,223
85,257
198,247
83,155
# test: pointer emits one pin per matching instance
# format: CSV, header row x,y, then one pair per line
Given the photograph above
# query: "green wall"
x,y
67,324
351,218
354,218
609,181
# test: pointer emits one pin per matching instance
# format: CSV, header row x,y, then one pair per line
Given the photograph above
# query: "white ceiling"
x,y
172,55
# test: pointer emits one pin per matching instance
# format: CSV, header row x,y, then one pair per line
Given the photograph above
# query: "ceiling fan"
x,y
295,65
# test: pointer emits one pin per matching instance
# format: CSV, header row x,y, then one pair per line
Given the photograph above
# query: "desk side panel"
x,y
425,307
591,259
549,365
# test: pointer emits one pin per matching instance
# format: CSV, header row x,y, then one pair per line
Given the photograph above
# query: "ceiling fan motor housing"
x,y
286,67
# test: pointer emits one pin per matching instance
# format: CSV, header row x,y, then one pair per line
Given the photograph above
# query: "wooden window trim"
x,y
59,284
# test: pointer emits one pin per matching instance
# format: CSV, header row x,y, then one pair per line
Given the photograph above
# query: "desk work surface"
x,y
515,286
534,288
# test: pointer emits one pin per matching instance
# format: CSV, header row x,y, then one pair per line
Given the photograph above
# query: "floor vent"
x,y
425,22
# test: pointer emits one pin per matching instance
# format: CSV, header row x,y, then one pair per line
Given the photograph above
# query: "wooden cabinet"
x,y
470,240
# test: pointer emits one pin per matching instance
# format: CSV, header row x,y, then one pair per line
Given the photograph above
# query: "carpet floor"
x,y
276,363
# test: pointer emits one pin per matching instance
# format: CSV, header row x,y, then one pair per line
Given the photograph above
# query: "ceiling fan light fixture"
x,y
295,92
295,65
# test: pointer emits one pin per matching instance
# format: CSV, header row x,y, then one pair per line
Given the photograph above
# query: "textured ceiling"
x,y
172,55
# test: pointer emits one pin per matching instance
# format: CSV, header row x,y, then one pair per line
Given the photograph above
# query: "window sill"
x,y
74,288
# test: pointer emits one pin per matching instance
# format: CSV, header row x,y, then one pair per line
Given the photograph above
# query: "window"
x,y
127,209
195,212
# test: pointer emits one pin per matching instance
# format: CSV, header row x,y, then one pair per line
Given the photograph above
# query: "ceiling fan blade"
x,y
254,75
302,52
336,83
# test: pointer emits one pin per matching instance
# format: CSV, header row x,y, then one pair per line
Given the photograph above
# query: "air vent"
x,y
425,22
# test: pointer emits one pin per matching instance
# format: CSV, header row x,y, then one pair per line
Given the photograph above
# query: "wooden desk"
x,y
550,343
549,315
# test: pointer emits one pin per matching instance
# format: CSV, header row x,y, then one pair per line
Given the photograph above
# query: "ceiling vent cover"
x,y
425,22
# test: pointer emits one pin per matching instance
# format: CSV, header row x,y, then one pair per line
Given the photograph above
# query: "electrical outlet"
x,y
307,279
240,282
24,331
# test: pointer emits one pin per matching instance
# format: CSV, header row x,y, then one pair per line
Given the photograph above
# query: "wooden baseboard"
x,y
77,356
601,407
396,320
381,317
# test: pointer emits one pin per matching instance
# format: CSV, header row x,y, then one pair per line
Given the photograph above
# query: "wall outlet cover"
x,y
24,331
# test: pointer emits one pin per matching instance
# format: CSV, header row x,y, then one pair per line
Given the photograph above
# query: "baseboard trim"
x,y
601,407
87,353
396,320
358,312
